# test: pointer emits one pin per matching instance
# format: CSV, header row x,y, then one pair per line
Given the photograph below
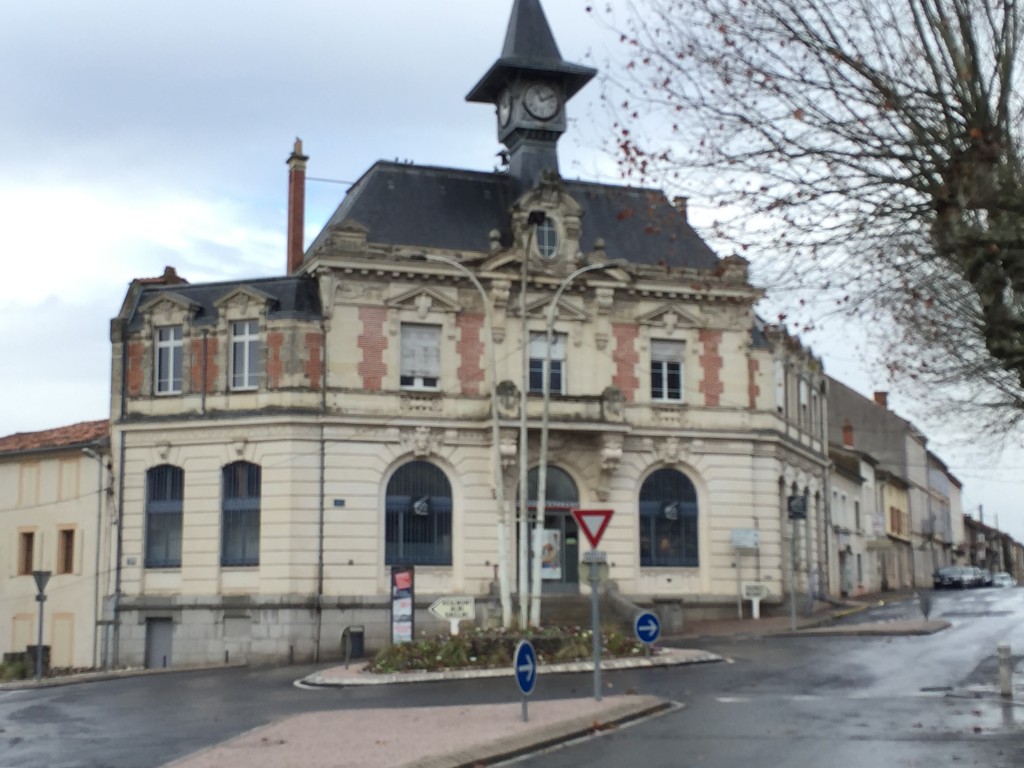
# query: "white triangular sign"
x,y
593,523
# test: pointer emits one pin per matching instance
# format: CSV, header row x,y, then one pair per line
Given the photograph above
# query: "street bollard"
x,y
1005,670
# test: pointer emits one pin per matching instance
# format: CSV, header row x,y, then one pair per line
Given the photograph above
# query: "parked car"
x,y
1003,579
972,576
951,577
985,578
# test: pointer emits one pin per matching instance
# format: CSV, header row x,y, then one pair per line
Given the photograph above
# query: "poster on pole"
x,y
402,602
550,542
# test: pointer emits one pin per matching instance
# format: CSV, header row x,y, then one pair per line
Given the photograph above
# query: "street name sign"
x,y
647,628
525,667
454,608
593,523
754,590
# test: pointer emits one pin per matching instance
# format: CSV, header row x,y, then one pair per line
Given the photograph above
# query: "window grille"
x,y
668,520
418,516
240,518
165,487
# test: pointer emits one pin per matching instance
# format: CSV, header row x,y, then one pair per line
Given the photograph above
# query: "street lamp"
x,y
535,219
499,478
542,470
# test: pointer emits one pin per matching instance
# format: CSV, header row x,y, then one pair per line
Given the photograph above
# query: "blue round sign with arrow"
x,y
525,666
647,628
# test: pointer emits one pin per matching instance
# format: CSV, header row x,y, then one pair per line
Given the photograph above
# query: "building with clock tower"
x,y
458,360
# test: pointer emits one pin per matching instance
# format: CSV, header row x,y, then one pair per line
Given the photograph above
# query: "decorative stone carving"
x,y
611,453
672,450
427,402
508,400
422,441
613,405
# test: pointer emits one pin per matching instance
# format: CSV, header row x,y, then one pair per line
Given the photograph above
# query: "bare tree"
x,y
869,150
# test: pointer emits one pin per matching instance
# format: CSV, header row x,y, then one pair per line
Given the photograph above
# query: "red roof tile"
x,y
81,433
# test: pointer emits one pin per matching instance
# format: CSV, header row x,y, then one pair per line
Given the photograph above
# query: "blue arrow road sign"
x,y
525,661
647,628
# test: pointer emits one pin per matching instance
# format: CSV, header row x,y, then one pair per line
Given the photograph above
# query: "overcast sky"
x,y
138,134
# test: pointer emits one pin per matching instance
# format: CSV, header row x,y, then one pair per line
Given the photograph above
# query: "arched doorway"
x,y
560,547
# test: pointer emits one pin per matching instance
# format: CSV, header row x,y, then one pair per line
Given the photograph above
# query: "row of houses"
x,y
456,362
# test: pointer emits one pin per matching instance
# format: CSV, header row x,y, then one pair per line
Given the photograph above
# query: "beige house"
x,y
285,444
857,522
56,516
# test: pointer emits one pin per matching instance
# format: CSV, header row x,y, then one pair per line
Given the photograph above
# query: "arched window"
x,y
560,491
418,516
668,520
165,488
240,514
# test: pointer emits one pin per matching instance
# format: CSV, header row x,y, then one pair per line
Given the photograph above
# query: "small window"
x,y
26,550
539,357
667,370
245,354
66,550
421,356
780,386
547,239
168,360
240,520
804,398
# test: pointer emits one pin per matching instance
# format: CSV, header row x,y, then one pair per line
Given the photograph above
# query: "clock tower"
x,y
530,84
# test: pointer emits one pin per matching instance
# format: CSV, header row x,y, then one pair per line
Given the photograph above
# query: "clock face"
x,y
541,101
504,107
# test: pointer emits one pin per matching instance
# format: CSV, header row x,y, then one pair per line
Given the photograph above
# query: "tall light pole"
x,y
504,586
533,220
542,471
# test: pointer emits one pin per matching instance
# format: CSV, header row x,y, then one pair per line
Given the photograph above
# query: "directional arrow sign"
x,y
593,523
647,628
525,666
454,608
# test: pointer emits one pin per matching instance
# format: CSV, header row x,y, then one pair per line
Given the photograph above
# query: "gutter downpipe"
x,y
99,535
323,486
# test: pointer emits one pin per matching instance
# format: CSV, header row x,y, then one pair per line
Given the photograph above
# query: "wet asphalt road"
x,y
803,701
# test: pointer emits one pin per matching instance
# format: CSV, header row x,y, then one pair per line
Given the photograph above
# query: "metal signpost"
x,y
647,629
593,523
755,592
454,609
797,508
41,578
524,664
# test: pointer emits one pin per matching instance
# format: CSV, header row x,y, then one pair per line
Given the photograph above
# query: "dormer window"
x,y
168,360
245,354
547,238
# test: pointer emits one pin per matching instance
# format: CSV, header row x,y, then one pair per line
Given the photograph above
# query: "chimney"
x,y
296,206
680,204
882,398
847,433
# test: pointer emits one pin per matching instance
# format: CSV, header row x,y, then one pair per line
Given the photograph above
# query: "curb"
x,y
114,674
516,746
668,657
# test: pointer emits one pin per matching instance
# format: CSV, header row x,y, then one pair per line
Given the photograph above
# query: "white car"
x,y
1003,580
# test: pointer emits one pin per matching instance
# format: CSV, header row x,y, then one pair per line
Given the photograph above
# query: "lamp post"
x,y
542,472
504,587
41,578
534,219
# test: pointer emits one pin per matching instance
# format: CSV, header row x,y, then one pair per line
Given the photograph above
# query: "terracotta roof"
x,y
169,277
82,433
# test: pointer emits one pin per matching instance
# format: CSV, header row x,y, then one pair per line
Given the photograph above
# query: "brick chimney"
x,y
882,399
847,433
296,206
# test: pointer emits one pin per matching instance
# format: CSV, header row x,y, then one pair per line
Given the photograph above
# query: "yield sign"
x,y
592,522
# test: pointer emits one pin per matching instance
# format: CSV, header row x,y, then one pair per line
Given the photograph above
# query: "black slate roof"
x,y
296,297
422,206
